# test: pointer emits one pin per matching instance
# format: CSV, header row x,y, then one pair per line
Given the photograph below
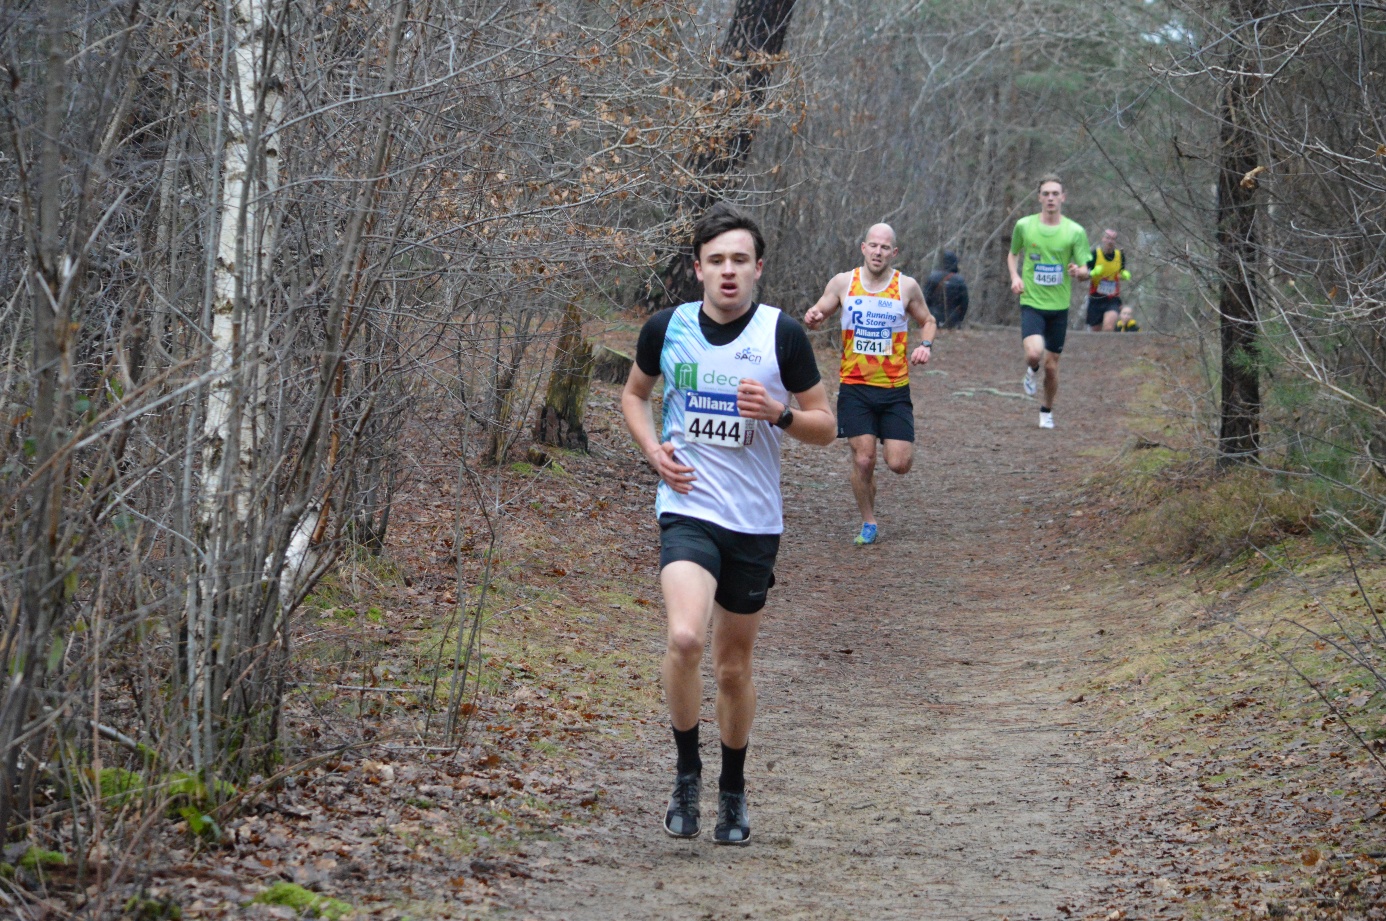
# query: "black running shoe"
x,y
733,822
681,821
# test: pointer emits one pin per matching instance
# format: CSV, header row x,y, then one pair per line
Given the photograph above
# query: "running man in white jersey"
x,y
873,397
730,366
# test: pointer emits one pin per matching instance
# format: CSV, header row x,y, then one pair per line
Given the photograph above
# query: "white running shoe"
x,y
1046,420
1030,383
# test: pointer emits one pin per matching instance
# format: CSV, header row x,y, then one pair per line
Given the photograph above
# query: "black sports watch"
x,y
786,418
927,343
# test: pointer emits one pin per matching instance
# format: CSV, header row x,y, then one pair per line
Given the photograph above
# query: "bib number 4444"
x,y
713,419
715,430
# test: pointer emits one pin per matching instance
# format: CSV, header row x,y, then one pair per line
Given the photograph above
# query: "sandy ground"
x,y
915,752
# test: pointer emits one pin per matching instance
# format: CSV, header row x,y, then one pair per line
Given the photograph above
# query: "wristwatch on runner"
x,y
926,343
786,418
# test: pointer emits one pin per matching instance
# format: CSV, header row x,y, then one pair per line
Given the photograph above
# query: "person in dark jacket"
x,y
945,292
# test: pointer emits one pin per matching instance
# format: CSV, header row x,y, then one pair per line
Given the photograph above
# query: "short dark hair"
x,y
721,218
1049,177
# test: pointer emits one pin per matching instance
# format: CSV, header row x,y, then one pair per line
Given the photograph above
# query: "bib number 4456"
x,y
1048,273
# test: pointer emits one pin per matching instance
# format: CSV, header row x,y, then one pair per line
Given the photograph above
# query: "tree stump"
x,y
610,365
560,418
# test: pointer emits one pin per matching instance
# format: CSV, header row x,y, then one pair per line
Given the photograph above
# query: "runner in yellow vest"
x,y
1108,268
873,398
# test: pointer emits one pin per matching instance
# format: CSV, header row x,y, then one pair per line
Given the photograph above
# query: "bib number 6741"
x,y
868,340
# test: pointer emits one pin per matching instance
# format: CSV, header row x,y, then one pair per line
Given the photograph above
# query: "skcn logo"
x,y
747,355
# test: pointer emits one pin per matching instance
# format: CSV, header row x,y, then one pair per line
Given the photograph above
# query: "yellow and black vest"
x,y
1108,284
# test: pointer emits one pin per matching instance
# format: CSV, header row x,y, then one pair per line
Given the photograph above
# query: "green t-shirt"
x,y
1045,256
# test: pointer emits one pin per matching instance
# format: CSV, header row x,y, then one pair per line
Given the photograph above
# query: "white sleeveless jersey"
x,y
736,460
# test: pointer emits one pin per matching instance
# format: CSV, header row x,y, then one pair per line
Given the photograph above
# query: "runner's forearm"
x,y
928,327
827,304
813,426
919,310
814,422
639,413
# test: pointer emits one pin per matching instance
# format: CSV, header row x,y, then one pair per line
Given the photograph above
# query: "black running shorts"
x,y
1098,306
1051,324
886,412
742,564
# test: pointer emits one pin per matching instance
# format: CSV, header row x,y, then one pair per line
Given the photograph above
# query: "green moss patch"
x,y
35,858
304,901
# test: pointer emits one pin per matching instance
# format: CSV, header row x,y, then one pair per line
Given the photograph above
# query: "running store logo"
x,y
686,375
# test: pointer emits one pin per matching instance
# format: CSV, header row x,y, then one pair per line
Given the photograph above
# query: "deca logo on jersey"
x,y
686,376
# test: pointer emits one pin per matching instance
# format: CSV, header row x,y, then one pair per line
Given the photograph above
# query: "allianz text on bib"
x,y
712,419
873,340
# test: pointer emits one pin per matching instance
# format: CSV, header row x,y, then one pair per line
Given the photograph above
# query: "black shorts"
x,y
742,564
886,412
1051,324
1098,306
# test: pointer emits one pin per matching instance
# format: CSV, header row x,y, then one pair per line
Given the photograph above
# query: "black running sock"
x,y
686,740
733,779
1045,409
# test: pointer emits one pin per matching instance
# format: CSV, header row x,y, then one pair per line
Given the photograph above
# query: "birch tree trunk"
x,y
235,411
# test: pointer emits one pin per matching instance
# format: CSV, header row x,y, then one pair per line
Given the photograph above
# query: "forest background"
x,y
248,245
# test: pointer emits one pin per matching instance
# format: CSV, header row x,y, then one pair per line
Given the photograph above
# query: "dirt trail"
x,y
915,755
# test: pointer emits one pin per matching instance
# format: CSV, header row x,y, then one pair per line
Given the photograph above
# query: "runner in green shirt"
x,y
1047,252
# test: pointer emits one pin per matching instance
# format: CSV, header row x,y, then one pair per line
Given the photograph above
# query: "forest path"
x,y
915,754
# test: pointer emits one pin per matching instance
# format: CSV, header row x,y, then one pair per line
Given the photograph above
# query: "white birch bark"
x,y
236,398
243,247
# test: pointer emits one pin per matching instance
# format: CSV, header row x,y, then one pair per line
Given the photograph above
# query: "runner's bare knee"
x,y
685,644
732,672
865,461
899,456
